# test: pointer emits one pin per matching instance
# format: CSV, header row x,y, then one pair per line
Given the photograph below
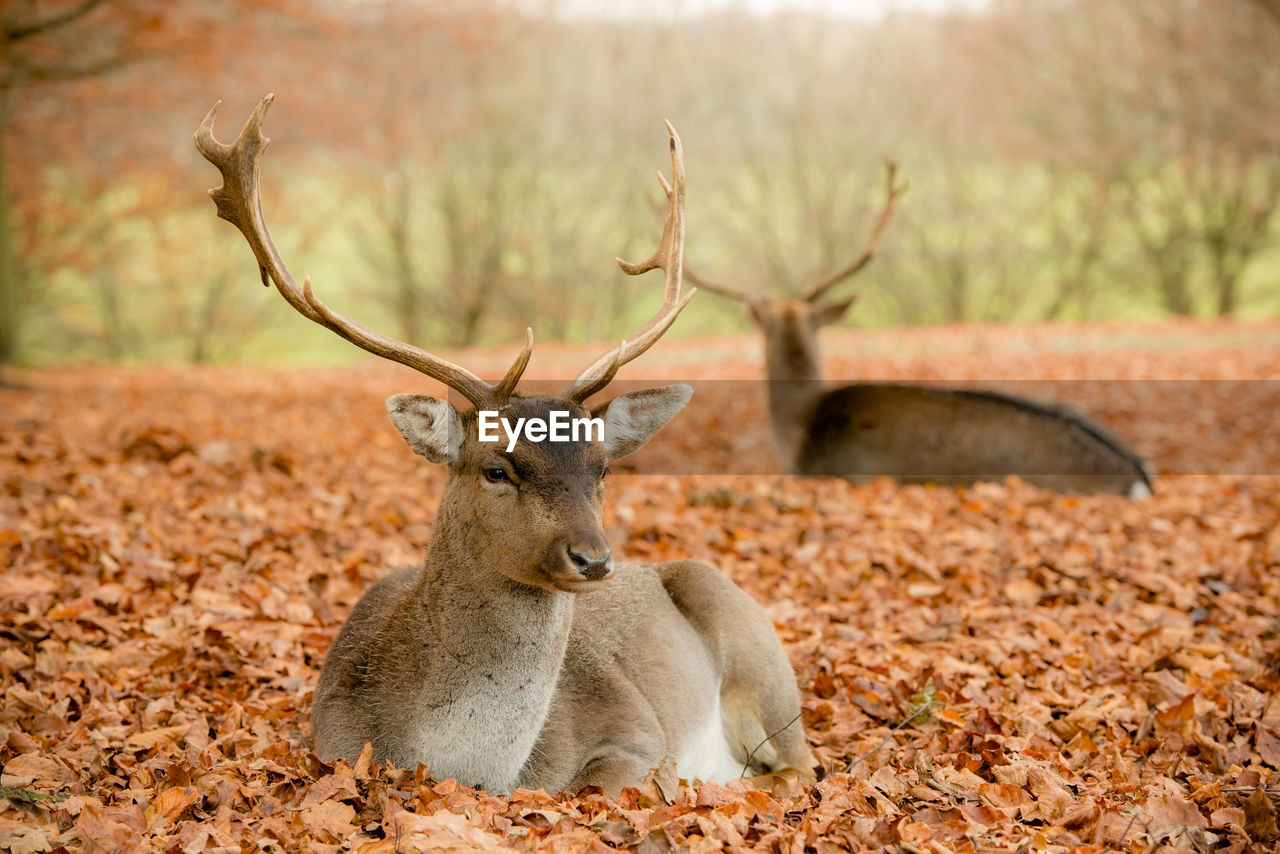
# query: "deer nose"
x,y
592,566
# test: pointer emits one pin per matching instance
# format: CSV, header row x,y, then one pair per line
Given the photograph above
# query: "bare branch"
x,y
13,32
62,73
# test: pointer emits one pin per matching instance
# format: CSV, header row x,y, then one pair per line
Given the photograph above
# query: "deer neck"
x,y
497,647
795,381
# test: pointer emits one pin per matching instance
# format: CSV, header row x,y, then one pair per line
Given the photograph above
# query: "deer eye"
x,y
496,475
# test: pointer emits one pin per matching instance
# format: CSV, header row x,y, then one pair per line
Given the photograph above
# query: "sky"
x,y
650,9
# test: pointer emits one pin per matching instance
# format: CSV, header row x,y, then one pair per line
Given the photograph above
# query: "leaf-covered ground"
x,y
991,669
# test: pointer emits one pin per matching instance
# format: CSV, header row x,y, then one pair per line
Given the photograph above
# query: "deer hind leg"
x,y
770,743
612,772
759,701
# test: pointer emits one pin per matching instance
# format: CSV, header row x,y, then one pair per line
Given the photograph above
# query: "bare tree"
x,y
38,46
1160,101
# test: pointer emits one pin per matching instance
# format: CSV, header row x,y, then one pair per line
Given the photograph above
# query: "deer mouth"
x,y
580,585
571,576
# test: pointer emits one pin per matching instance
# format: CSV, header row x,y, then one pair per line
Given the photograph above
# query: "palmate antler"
x,y
238,202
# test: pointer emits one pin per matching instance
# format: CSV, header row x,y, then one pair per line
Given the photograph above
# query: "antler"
x,y
717,287
670,259
238,203
702,281
892,192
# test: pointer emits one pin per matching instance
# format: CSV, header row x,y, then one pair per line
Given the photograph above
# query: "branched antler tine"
x,y
604,369
658,258
456,377
692,274
238,202
714,287
239,164
669,257
507,386
892,192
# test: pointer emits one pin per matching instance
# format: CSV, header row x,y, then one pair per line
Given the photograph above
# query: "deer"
x,y
911,432
522,652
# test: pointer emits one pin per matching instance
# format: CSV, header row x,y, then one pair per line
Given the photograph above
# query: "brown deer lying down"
x,y
517,655
915,433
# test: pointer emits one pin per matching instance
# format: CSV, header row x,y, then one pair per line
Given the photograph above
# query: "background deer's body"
x,y
515,655
915,433
924,434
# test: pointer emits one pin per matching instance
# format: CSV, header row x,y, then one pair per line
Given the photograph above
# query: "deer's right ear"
x,y
830,312
431,426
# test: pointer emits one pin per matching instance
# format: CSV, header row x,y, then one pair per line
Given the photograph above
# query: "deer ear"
x,y
830,312
630,420
431,426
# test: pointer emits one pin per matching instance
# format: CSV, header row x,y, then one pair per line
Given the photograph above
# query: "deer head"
x,y
532,512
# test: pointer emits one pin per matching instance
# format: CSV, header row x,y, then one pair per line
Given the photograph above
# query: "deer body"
x,y
515,655
915,433
924,434
503,675
501,663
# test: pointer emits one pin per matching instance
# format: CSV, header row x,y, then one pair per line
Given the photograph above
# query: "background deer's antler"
x,y
892,191
817,289
718,287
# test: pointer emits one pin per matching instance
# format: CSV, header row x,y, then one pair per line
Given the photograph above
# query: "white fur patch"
x,y
707,756
620,428
1139,490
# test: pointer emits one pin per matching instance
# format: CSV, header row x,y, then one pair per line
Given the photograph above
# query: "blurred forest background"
x,y
452,171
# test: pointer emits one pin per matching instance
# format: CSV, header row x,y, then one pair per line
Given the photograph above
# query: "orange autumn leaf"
x,y
166,622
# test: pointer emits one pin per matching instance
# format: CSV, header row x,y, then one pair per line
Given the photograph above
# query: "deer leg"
x,y
772,743
759,700
612,772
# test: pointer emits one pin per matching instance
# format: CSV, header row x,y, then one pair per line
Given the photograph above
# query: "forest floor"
x,y
997,668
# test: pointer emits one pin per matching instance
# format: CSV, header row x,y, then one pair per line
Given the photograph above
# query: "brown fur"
x,y
920,434
499,664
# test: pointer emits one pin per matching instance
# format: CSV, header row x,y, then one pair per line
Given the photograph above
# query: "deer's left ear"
x,y
830,312
630,420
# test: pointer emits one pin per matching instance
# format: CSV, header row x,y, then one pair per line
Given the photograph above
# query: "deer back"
x,y
921,434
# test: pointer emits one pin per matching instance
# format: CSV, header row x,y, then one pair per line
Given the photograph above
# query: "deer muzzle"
x,y
580,562
593,567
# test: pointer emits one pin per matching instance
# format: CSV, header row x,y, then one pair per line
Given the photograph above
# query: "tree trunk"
x,y
10,288
1174,292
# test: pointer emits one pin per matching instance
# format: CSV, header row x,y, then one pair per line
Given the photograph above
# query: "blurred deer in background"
x,y
515,656
916,433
